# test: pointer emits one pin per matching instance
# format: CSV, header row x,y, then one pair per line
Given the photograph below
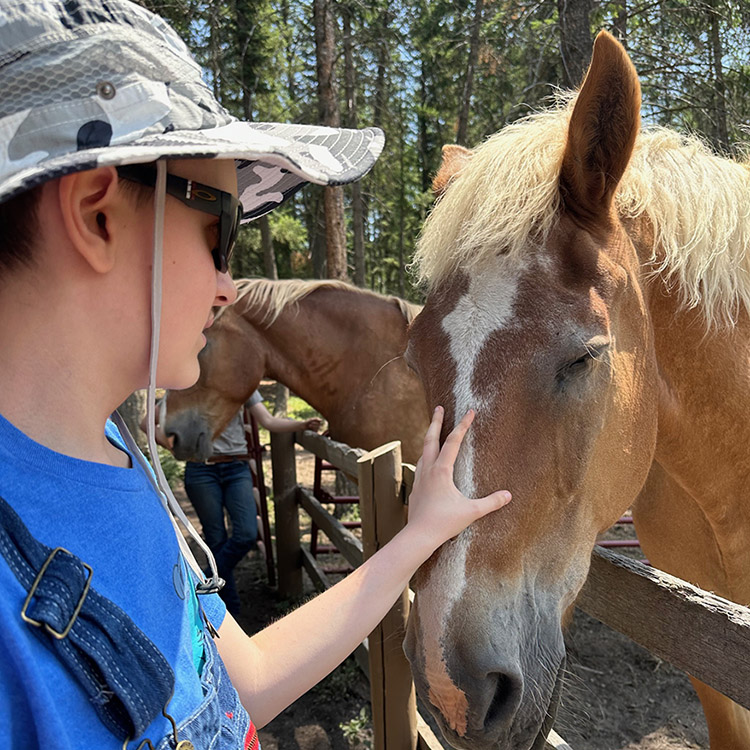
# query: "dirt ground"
x,y
617,697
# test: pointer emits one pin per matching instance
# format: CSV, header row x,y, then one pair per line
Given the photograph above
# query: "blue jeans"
x,y
211,488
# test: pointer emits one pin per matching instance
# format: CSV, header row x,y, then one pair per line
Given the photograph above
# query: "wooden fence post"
x,y
288,552
394,708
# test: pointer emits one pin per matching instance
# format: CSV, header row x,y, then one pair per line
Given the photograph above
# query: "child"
x,y
111,259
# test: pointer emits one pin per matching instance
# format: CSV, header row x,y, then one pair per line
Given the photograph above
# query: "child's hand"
x,y
435,504
313,424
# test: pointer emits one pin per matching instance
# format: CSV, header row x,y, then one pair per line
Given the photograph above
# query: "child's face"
x,y
191,285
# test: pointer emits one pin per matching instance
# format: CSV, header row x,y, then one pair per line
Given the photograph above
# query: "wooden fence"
x,y
698,632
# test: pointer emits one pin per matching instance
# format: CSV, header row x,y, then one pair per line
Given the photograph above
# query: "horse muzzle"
x,y
494,686
191,434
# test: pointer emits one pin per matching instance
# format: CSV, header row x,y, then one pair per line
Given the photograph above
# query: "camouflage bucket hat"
x,y
91,83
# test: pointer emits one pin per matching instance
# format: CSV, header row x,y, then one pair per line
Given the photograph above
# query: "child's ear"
x,y
87,203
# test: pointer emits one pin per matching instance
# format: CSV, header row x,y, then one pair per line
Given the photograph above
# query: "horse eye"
x,y
593,353
576,367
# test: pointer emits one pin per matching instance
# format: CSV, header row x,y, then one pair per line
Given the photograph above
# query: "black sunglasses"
x,y
201,197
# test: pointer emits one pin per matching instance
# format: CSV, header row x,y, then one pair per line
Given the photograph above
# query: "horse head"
x,y
535,318
231,368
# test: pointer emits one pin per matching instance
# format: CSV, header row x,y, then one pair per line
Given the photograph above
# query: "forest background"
x,y
432,72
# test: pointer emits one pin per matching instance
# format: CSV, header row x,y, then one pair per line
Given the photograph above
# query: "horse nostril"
x,y
504,703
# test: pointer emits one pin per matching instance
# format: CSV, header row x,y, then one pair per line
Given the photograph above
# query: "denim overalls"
x,y
127,679
220,722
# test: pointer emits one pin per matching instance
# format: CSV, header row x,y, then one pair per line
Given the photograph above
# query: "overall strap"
x,y
124,675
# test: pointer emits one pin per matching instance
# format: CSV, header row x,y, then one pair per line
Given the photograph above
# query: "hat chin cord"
x,y
205,585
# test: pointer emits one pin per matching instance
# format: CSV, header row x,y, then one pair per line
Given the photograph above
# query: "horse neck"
x,y
322,346
703,397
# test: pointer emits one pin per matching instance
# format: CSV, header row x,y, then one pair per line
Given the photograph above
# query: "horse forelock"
x,y
505,194
507,199
270,298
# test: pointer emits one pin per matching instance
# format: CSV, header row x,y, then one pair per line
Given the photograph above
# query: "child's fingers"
x,y
431,449
492,502
418,470
453,441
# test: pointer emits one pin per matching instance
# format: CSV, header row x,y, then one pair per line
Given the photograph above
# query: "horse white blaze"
x,y
486,307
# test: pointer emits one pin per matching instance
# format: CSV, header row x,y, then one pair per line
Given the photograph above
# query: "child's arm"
x,y
282,424
273,668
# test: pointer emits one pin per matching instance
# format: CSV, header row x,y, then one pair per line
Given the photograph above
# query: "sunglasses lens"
x,y
223,254
219,260
233,233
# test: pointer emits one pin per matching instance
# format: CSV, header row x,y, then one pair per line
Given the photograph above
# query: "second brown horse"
x,y
336,346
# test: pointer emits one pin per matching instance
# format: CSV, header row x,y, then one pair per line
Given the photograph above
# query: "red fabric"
x,y
251,740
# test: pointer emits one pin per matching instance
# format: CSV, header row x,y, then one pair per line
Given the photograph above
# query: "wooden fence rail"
x,y
695,630
383,511
698,632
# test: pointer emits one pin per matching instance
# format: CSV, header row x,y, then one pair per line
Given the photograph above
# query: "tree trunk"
x,y
576,43
463,116
266,241
721,132
358,226
132,411
620,23
318,239
281,400
213,43
333,197
422,135
401,203
381,96
291,85
380,114
358,223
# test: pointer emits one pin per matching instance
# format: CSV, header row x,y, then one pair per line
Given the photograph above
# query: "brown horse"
x,y
336,346
589,287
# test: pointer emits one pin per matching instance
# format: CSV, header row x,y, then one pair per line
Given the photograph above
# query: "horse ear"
x,y
602,131
454,159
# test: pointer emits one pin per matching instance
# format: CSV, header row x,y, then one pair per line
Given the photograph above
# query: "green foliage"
x,y
296,409
174,470
358,731
410,61
299,409
289,235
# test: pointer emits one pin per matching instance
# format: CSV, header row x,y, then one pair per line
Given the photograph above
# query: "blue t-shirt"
x,y
113,520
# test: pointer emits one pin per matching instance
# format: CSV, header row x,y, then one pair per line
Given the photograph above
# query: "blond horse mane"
x,y
507,196
275,296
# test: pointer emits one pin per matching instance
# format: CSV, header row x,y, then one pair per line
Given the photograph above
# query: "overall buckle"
x,y
55,633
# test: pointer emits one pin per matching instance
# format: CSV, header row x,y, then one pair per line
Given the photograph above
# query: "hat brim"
x,y
273,159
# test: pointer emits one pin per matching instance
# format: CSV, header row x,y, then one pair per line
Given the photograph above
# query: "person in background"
x,y
224,481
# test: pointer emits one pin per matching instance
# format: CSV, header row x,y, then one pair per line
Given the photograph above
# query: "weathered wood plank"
x,y
317,575
348,544
340,455
408,477
696,631
555,742
394,710
366,481
287,516
428,740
